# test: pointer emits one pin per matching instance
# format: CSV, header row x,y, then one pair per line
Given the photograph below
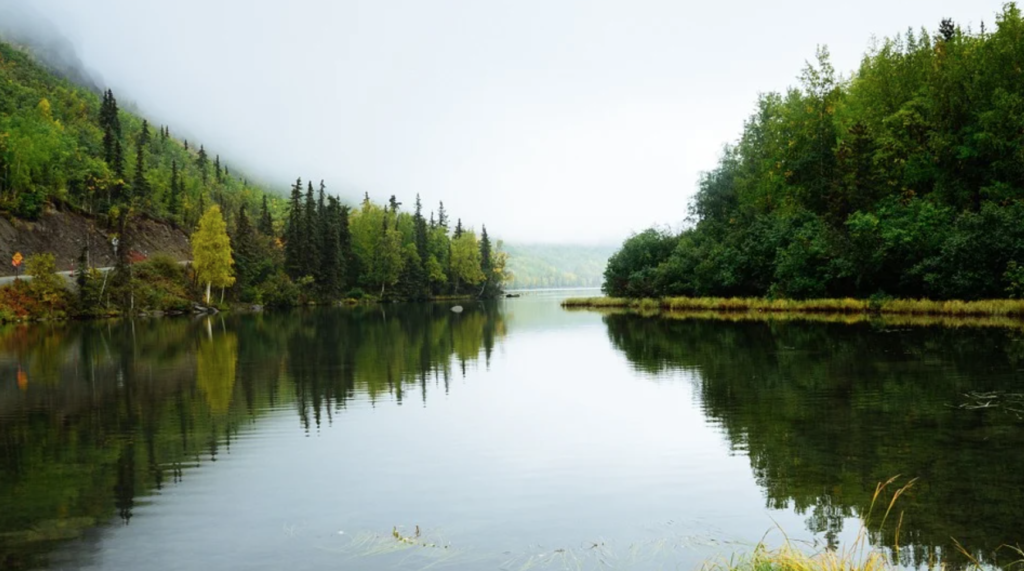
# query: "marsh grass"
x,y
1010,308
887,321
858,556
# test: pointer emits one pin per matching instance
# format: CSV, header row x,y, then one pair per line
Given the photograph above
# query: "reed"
x,y
858,556
956,308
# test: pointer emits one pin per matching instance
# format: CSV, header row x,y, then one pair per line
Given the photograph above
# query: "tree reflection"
x,y
826,411
114,409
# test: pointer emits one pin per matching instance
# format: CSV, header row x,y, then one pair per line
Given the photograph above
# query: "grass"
x,y
1013,308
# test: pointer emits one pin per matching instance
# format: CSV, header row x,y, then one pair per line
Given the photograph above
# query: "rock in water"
x,y
457,309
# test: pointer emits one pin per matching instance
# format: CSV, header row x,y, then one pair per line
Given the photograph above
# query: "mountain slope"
x,y
53,153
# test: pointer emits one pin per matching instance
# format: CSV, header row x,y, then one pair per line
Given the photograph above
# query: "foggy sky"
x,y
570,121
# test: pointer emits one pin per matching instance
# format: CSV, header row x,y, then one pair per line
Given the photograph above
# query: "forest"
x,y
903,180
65,147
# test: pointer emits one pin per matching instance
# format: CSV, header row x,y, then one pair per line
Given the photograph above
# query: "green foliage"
x,y
46,286
62,144
465,259
631,270
904,180
211,252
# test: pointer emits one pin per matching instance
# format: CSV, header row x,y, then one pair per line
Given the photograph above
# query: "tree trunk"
x,y
207,293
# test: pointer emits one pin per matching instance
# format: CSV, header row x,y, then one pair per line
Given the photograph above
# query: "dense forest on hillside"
x,y
63,146
556,265
906,179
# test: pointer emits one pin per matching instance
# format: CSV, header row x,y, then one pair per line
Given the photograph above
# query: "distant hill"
x,y
556,265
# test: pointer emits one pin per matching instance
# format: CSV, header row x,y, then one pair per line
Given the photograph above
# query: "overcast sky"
x,y
547,120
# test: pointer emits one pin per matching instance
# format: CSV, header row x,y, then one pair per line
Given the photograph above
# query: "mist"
x,y
577,121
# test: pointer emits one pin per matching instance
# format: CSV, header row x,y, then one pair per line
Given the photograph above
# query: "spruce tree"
x,y
144,137
310,250
458,229
174,194
216,168
293,232
321,236
442,216
421,230
140,186
485,263
332,276
201,162
246,251
266,222
111,125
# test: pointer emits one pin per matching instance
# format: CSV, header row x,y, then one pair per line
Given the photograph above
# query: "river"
x,y
513,435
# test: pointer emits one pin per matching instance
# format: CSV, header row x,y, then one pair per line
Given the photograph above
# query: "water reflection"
x,y
826,411
95,416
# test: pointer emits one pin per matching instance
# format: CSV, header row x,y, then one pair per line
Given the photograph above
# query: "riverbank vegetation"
x,y
65,147
879,306
904,180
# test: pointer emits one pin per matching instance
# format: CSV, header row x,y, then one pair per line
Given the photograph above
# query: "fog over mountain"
x,y
571,121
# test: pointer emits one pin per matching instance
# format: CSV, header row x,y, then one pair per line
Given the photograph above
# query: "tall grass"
x,y
858,556
958,308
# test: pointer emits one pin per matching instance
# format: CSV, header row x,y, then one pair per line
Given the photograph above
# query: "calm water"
x,y
510,436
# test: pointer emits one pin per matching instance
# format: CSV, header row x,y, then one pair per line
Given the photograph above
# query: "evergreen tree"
x,y
186,145
201,162
492,266
332,273
266,223
321,237
442,216
121,286
421,230
216,168
140,186
485,252
246,251
174,193
458,230
293,232
144,136
310,250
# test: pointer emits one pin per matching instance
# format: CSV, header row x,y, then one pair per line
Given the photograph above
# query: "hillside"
x,y
63,145
77,171
904,180
556,265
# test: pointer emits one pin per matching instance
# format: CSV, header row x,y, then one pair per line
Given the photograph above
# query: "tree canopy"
x,y
905,179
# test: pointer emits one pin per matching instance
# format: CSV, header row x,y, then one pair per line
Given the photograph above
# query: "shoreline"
x,y
1002,308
